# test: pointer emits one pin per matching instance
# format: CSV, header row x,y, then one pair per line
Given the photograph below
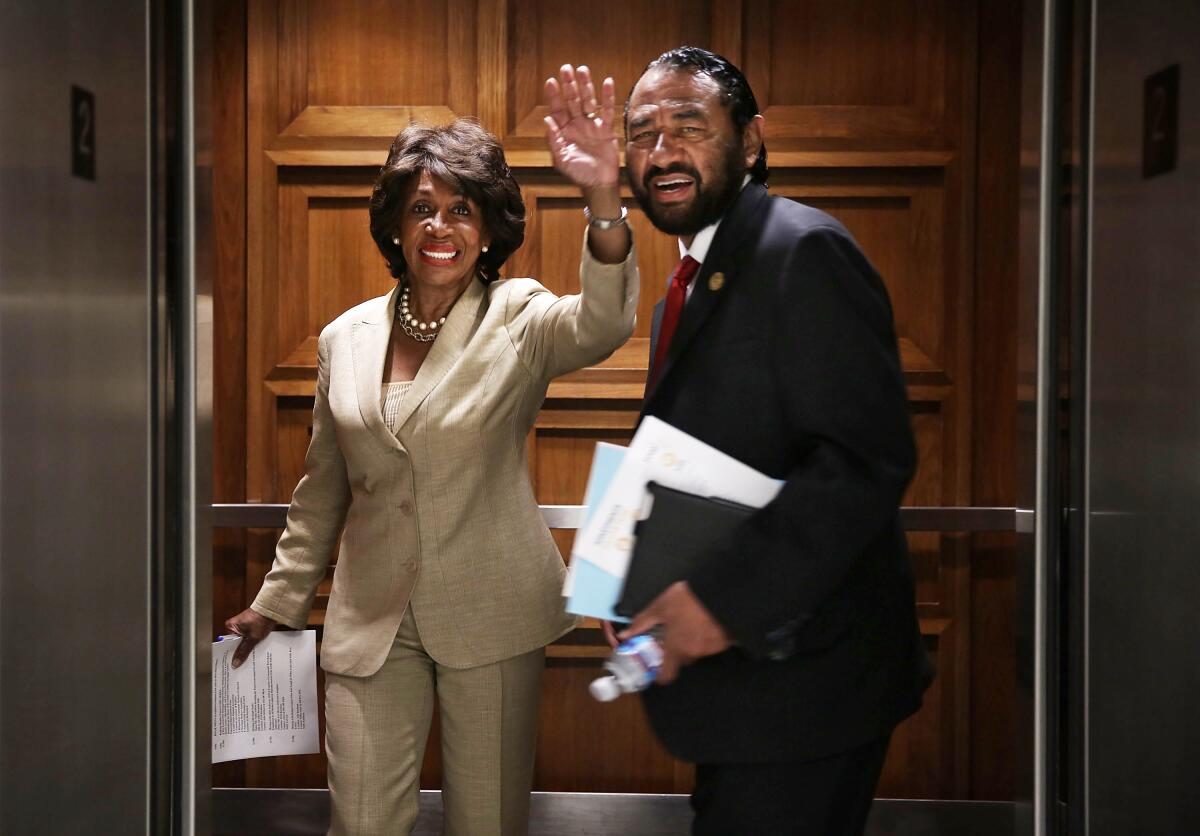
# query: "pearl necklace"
x,y
422,332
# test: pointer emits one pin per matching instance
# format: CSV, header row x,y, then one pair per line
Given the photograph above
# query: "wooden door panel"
x,y
860,71
388,53
808,58
547,34
584,745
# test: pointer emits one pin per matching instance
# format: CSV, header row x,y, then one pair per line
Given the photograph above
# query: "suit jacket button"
x,y
412,566
406,508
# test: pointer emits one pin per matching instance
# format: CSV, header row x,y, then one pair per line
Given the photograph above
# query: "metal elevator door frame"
x,y
190,35
103,401
1040,491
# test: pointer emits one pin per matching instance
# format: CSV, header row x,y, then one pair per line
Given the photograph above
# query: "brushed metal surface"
x,y
1037,68
75,422
1143,529
194,314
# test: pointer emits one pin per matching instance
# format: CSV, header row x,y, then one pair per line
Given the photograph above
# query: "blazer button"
x,y
412,566
406,508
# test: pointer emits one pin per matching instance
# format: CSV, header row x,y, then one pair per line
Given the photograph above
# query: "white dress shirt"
x,y
701,241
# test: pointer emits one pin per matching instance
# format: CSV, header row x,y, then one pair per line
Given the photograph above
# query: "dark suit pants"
x,y
827,797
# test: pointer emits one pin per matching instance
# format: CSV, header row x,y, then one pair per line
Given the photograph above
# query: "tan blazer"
x,y
440,516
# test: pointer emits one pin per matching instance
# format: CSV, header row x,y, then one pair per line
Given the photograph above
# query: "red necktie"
x,y
685,271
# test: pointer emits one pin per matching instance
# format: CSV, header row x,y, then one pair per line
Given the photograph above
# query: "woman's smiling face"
x,y
441,234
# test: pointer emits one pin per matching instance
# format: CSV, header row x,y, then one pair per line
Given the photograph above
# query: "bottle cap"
x,y
605,689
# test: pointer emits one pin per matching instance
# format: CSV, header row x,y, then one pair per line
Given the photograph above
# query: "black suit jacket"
x,y
790,365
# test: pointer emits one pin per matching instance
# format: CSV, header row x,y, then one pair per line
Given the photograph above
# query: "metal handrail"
x,y
948,519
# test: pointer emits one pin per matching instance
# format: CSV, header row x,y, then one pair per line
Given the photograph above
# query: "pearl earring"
x,y
396,240
485,248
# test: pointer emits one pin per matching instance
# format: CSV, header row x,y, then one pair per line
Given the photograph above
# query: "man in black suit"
x,y
793,651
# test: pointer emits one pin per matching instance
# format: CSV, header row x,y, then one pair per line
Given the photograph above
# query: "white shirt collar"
x,y
702,240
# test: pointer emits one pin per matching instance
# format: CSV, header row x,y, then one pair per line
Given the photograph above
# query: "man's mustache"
x,y
673,168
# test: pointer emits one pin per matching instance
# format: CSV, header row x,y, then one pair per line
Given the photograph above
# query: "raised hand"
x,y
579,129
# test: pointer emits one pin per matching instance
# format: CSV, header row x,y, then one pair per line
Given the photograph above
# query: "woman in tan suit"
x,y
448,584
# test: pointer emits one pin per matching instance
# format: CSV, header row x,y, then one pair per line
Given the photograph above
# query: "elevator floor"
x,y
306,813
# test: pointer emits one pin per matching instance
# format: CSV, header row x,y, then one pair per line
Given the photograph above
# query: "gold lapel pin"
x,y
716,281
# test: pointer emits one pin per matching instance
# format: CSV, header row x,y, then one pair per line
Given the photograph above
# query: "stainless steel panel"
x,y
75,423
1144,421
195,409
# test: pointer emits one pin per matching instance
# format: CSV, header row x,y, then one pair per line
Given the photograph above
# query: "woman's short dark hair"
x,y
466,157
738,96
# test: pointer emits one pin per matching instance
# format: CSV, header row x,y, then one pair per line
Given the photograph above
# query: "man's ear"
x,y
752,140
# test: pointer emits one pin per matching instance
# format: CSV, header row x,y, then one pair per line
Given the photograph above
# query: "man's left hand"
x,y
688,630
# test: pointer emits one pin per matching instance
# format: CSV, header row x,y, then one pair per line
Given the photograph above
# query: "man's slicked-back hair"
x,y
736,92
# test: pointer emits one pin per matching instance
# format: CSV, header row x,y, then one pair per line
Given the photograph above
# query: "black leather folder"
x,y
681,532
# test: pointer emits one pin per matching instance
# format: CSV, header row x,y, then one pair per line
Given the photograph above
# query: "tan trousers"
x,y
376,729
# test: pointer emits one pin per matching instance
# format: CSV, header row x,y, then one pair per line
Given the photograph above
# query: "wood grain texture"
x,y
993,577
855,52
229,317
262,125
858,70
492,84
618,43
725,25
584,744
369,52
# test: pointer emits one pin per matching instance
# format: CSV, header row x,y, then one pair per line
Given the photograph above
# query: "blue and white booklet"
x,y
589,589
617,498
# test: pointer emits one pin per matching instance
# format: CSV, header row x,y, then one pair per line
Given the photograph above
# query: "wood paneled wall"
x,y
873,113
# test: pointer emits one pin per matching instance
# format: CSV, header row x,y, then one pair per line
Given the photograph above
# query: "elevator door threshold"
x,y
255,812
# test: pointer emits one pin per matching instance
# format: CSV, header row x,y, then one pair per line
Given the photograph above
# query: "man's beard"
x,y
709,204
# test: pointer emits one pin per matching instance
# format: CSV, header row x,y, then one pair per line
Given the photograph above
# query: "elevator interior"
x,y
106,386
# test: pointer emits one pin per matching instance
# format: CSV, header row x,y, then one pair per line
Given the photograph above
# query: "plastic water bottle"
x,y
632,667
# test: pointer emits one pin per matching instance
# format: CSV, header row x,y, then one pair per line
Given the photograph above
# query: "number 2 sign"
x,y
1160,123
83,133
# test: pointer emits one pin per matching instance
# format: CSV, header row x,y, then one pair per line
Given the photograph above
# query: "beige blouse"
x,y
390,401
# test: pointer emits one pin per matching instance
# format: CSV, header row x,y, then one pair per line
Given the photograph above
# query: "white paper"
x,y
661,453
268,706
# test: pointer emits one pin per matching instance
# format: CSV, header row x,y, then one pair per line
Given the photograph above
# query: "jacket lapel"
x,y
656,325
370,341
447,348
735,226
